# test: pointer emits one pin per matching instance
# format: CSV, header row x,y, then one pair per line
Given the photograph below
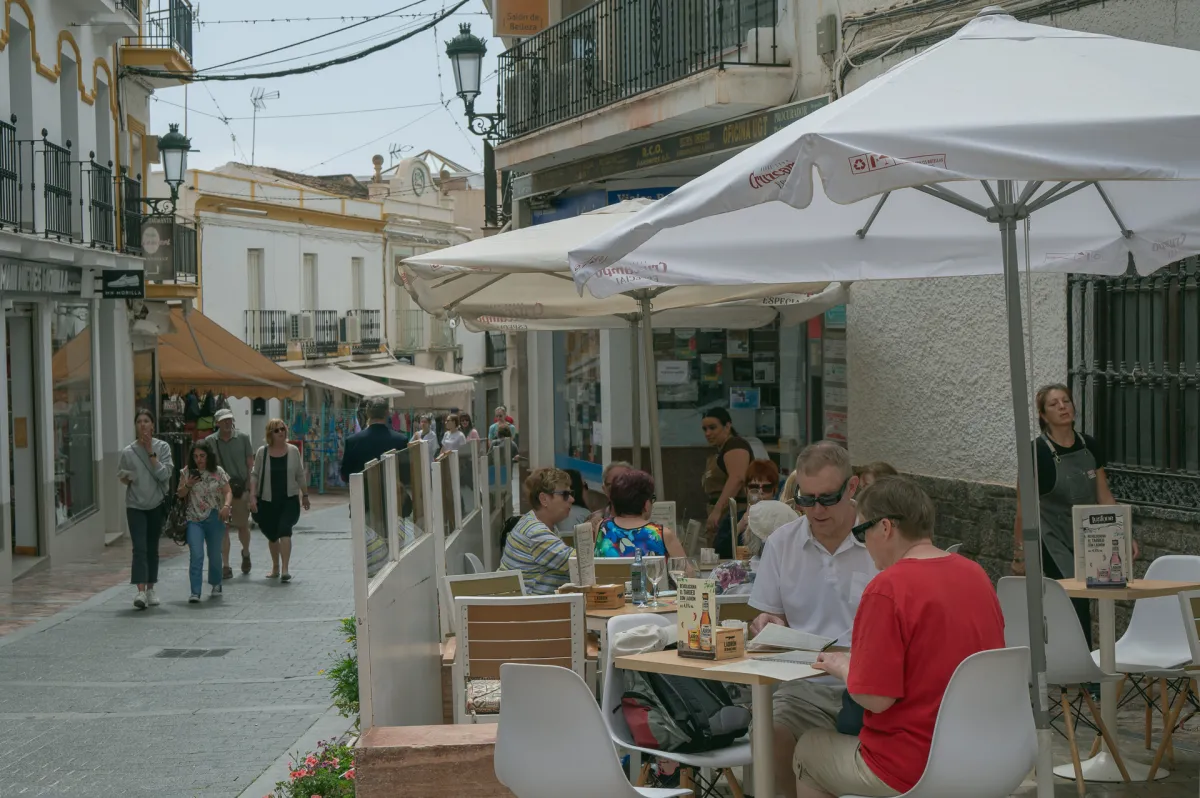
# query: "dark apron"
x,y
1074,483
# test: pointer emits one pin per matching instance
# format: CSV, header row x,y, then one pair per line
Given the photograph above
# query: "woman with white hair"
x,y
762,520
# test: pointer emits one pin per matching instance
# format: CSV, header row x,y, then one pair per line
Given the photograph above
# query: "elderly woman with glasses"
x,y
762,484
630,529
532,547
278,488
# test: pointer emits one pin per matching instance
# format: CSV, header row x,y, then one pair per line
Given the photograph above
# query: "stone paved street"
x,y
89,707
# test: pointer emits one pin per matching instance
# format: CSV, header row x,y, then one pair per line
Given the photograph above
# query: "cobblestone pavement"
x,y
90,707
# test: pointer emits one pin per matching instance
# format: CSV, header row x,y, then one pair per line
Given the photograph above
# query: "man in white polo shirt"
x,y
811,577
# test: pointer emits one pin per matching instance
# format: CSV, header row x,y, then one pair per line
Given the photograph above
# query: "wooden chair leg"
x,y
1112,746
1149,716
1166,710
734,787
1069,723
685,778
643,774
1169,728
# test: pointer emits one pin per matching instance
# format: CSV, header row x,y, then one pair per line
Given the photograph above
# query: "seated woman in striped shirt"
x,y
532,547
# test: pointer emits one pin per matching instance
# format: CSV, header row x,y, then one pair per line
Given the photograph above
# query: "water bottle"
x,y
638,579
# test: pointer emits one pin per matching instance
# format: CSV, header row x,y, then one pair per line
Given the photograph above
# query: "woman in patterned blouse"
x,y
630,528
204,485
532,547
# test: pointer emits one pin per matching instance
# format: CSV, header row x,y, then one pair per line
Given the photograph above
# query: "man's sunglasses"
x,y
860,531
825,499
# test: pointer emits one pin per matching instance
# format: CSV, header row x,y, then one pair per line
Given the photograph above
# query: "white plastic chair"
x,y
550,753
984,742
720,760
474,564
954,549
1068,660
1189,604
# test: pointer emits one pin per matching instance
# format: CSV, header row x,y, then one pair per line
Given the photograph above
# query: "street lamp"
x,y
466,53
174,148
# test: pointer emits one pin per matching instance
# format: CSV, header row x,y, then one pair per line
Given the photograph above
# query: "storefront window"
x,y
74,465
578,436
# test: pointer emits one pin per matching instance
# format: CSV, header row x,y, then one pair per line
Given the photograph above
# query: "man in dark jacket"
x,y
377,439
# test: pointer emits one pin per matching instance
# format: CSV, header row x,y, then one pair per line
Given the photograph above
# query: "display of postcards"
x,y
764,372
742,371
710,368
685,344
744,398
737,343
687,392
765,423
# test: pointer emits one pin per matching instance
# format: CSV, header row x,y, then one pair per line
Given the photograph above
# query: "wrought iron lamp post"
x,y
174,148
466,52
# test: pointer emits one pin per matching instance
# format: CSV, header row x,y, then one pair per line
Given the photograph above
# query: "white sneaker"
x,y
216,591
194,598
139,600
152,597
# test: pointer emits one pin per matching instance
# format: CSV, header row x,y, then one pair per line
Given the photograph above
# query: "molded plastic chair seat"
x,y
1156,639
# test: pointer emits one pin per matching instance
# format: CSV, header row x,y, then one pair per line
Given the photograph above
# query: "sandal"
x,y
285,578
273,576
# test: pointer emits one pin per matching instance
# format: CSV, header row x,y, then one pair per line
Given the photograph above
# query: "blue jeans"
x,y
210,531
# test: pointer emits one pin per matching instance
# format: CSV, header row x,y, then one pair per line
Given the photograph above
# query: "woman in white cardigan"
x,y
276,497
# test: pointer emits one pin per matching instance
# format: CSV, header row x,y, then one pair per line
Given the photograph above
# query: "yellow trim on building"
x,y
286,213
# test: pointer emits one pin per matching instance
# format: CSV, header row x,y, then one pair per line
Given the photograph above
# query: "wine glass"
x,y
656,569
677,567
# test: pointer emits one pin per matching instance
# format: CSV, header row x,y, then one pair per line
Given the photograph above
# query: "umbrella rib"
x,y
862,232
1125,231
1054,190
454,305
1030,188
991,194
954,198
1053,195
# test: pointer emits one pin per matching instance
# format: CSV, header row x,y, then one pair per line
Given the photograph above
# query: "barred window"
x,y
1134,355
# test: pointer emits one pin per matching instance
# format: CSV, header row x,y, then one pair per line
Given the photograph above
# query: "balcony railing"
x,y
410,330
616,49
131,6
268,332
130,191
167,25
370,330
10,176
441,334
101,207
497,350
326,334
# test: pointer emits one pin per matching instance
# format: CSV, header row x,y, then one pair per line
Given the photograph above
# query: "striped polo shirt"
x,y
539,554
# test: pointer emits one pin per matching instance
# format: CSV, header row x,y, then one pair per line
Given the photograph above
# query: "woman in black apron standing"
x,y
724,476
1070,471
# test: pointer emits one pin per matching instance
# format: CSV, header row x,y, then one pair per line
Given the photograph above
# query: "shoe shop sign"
x,y
122,284
21,277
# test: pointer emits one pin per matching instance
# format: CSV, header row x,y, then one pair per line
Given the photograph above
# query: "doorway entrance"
x,y
22,426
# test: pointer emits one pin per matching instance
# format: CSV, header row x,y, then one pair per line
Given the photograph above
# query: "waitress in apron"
x,y
724,476
1070,471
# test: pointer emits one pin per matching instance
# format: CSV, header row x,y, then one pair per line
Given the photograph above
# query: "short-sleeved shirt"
x,y
1047,471
616,541
816,591
539,554
918,620
233,454
206,495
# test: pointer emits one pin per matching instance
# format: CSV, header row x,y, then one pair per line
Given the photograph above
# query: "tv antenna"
x,y
395,151
258,98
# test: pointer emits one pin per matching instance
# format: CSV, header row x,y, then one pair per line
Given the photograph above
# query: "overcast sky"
x,y
343,141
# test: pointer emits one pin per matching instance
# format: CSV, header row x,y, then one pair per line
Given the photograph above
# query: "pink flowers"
x,y
349,774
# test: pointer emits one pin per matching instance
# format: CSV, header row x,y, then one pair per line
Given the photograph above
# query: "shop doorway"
x,y
22,436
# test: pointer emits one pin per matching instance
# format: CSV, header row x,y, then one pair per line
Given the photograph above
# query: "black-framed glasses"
x,y
566,494
860,531
279,429
761,487
825,499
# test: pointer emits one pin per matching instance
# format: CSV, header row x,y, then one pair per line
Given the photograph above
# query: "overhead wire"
x,y
279,20
237,147
369,143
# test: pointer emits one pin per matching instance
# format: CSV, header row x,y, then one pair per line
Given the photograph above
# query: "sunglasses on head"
x,y
825,499
860,531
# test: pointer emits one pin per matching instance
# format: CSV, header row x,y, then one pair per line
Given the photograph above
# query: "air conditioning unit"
x,y
351,330
303,326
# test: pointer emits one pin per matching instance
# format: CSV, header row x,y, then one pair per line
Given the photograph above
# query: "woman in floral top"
x,y
630,528
204,485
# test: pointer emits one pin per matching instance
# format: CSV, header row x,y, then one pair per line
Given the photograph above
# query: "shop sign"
x,y
157,235
569,207
38,278
835,318
637,193
520,18
122,284
723,137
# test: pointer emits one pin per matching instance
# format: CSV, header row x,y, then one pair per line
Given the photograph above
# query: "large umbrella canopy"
x,y
1081,137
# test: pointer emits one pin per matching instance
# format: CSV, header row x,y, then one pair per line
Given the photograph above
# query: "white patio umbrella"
x,y
520,279
1077,131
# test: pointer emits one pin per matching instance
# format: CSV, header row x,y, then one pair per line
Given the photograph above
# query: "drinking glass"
x,y
678,568
656,569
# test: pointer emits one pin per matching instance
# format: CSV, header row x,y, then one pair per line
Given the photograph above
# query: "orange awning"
x,y
221,364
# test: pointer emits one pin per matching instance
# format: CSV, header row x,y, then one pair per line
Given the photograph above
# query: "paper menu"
x,y
1103,544
664,513
783,671
776,636
585,552
697,613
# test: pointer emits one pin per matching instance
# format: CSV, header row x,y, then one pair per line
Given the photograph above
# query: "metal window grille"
x,y
56,188
10,175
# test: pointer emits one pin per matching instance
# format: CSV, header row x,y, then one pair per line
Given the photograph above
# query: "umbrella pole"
x,y
651,392
1027,485
636,392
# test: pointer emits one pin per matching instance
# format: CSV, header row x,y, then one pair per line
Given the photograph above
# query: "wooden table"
x,y
1102,767
762,733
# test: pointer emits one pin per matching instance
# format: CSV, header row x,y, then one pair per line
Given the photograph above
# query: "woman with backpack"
x,y
145,470
278,488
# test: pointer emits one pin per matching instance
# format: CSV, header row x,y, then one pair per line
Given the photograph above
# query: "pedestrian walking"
x,y
453,439
426,433
468,426
278,488
235,455
204,485
724,476
145,469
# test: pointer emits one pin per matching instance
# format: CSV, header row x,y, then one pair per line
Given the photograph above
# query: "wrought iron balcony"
x,y
131,6
326,334
410,330
167,25
169,247
129,189
370,330
268,332
616,49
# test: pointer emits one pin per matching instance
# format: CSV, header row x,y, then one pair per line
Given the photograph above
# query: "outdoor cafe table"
x,y
1102,767
761,731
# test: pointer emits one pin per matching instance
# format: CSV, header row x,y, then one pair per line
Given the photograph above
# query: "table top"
x,y
671,664
630,609
1136,589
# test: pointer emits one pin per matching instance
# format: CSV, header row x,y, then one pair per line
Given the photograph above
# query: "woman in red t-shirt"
x,y
918,620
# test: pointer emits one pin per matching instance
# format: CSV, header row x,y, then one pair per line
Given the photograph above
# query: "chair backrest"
x,y
542,630
1068,658
474,564
1189,603
984,742
954,549
691,537
552,741
1155,622
488,583
614,685
609,570
736,608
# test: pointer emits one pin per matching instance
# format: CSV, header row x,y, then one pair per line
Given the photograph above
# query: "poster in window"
x,y
685,344
743,370
710,368
835,348
835,372
674,372
766,423
737,343
764,372
744,398
835,426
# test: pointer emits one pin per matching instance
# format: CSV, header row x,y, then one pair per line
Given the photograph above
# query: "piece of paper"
x,y
585,552
674,372
663,512
777,636
783,671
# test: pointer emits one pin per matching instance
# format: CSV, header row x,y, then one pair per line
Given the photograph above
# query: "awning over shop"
x,y
207,357
346,381
414,378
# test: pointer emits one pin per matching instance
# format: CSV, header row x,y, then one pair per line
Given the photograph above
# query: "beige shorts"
x,y
833,763
800,706
240,513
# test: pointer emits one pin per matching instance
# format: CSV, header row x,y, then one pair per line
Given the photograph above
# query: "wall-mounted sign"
x,y
158,249
24,277
122,284
520,18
